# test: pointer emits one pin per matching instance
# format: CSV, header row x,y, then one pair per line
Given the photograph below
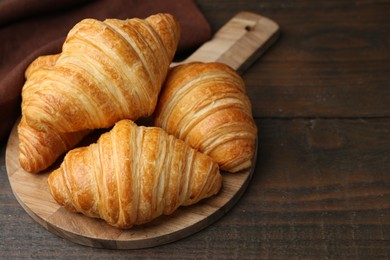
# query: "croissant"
x,y
38,149
132,175
205,105
107,71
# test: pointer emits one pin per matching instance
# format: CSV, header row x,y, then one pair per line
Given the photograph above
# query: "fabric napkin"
x,y
31,28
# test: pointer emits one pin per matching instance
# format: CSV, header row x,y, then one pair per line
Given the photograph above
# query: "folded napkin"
x,y
31,28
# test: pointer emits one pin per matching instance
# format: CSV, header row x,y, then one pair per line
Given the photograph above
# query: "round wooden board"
x,y
33,194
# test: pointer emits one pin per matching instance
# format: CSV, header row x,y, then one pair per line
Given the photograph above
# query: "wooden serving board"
x,y
243,39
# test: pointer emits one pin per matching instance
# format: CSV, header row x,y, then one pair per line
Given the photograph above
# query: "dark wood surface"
x,y
321,189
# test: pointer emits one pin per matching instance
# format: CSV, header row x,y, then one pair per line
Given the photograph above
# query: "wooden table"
x,y
321,188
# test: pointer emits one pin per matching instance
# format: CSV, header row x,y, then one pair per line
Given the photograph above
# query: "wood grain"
x,y
240,42
248,31
309,197
332,58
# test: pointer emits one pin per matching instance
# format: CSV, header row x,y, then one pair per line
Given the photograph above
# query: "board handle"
x,y
241,41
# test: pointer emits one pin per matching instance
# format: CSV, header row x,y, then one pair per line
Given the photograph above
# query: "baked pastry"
x,y
132,175
39,149
205,105
107,71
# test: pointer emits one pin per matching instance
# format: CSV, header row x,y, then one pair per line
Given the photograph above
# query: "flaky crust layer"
x,y
107,71
132,175
205,105
40,149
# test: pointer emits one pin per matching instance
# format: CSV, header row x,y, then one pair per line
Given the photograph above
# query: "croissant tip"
x,y
168,28
57,186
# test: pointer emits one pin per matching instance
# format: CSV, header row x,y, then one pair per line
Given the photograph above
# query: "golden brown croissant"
x,y
42,62
38,149
132,175
205,105
106,71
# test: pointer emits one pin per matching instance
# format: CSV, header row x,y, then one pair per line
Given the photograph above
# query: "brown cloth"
x,y
31,28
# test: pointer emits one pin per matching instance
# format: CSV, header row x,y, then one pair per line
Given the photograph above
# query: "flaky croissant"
x,y
106,71
39,149
132,175
205,105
